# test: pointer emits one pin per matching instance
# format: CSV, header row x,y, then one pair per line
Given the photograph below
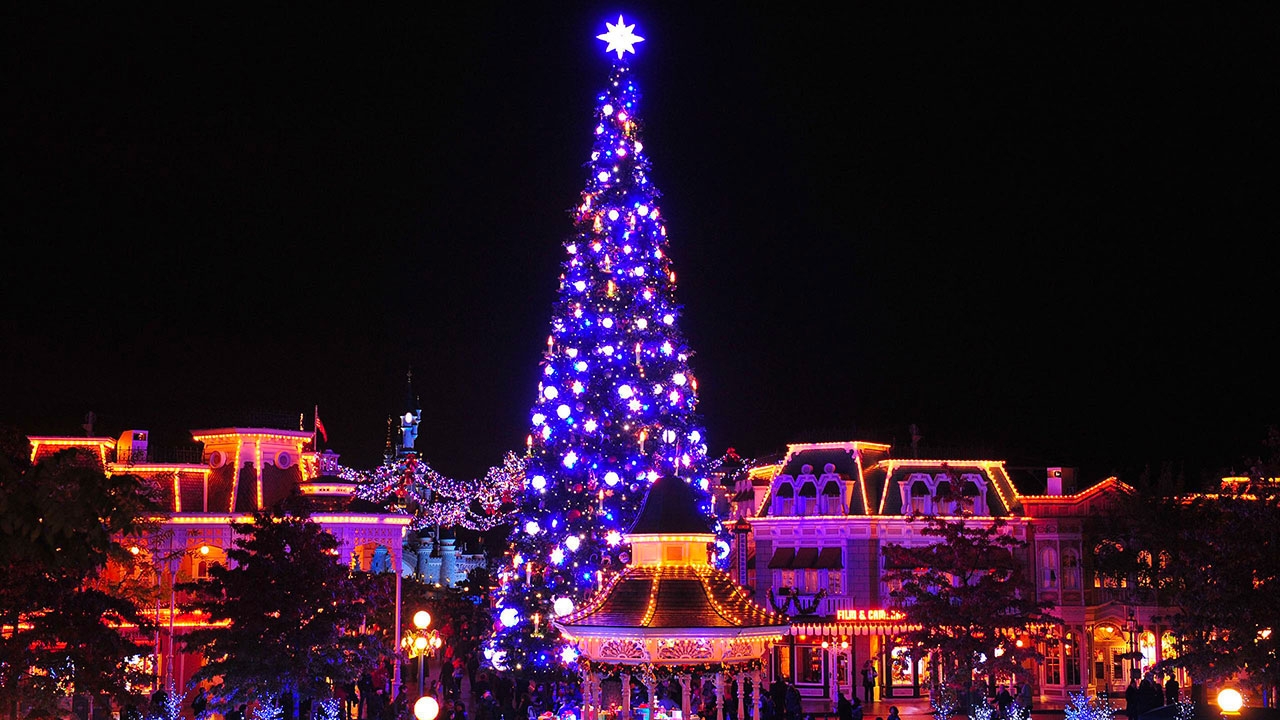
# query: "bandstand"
x,y
670,613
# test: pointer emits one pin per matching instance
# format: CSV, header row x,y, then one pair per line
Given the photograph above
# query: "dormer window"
x,y
944,499
919,498
830,498
973,495
786,498
808,501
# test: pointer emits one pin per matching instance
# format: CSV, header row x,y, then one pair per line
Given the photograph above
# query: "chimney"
x,y
1062,481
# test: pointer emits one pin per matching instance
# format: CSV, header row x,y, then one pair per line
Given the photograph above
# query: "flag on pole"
x,y
320,425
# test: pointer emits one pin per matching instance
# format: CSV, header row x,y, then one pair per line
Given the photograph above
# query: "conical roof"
x,y
671,508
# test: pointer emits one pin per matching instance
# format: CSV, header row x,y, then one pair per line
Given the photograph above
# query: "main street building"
x,y
814,526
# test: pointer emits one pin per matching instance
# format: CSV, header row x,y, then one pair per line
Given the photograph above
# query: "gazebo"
x,y
669,612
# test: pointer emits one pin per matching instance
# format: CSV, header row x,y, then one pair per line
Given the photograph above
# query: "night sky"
x,y
1044,238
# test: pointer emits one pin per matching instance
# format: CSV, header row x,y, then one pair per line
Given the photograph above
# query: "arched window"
x,y
1048,568
1145,570
1070,570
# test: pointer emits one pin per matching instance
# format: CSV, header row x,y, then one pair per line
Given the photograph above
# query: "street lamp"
x,y
1230,702
1132,627
426,708
421,620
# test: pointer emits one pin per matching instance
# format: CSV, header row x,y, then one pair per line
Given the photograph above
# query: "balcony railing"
x,y
160,455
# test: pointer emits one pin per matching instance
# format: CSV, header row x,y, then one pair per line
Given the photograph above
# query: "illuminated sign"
x,y
869,614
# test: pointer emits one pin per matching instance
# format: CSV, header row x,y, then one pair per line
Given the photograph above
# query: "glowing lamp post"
x,y
421,620
426,708
1230,702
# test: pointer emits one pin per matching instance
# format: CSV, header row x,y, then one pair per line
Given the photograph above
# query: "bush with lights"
x,y
615,406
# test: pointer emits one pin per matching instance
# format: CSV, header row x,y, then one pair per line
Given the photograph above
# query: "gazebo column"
x,y
755,695
720,695
741,679
587,676
651,686
626,694
684,694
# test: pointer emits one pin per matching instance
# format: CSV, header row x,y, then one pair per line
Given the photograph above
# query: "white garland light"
x,y
433,499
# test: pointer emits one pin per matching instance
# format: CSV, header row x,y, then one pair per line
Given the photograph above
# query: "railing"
x,y
164,455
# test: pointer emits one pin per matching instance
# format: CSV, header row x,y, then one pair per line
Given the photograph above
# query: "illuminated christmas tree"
x,y
615,405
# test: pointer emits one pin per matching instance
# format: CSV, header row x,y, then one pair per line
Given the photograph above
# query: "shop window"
x,y
788,578
809,665
1072,664
1052,667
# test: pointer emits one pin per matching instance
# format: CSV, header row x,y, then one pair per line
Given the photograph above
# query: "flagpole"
x,y
315,418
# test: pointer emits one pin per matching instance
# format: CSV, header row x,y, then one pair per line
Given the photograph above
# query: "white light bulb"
x,y
611,478
679,379
563,412
538,482
625,392
509,617
563,606
550,392
573,543
532,527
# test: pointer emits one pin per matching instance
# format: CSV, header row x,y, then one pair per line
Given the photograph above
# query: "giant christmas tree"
x,y
615,407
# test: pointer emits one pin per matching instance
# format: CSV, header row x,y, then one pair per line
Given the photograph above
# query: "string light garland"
x,y
410,486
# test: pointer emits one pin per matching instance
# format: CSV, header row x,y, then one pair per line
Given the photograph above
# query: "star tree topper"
x,y
620,38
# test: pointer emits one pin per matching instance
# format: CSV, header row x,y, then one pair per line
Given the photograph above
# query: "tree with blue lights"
x,y
615,406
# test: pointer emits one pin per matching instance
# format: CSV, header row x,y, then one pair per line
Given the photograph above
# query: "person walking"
x,y
844,708
1024,698
1132,699
199,704
1003,700
1171,691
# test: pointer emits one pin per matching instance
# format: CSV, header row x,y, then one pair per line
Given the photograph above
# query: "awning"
x,y
782,558
829,559
805,558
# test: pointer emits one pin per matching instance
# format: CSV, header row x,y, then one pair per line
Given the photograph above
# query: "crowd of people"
x,y
1139,697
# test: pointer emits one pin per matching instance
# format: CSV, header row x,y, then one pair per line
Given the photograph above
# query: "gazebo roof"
x,y
683,597
671,508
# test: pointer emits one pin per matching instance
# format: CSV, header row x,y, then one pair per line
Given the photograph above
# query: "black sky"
x,y
1049,238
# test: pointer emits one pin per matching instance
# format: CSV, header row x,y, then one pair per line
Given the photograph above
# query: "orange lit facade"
x,y
231,473
821,515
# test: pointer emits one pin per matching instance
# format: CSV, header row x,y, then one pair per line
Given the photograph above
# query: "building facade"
x,y
820,517
228,475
